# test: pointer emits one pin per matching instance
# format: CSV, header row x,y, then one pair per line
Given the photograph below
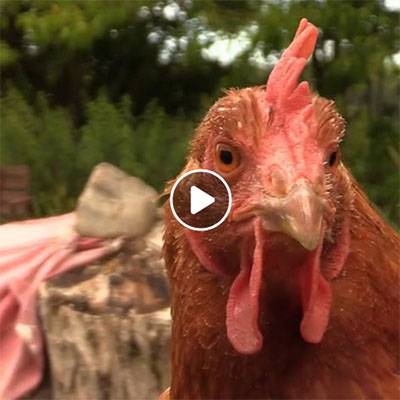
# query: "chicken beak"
x,y
299,215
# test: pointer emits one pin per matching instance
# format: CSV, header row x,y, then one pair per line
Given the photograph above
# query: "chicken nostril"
x,y
276,182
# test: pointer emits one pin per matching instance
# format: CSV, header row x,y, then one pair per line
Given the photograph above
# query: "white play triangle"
x,y
199,200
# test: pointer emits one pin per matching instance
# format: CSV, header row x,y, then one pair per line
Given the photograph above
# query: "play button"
x,y
200,200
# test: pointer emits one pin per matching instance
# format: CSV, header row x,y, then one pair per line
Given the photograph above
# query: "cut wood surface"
x,y
107,326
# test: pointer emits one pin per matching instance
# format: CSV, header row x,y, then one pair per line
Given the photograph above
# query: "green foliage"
x,y
160,144
74,24
8,56
25,132
54,180
104,137
62,157
151,147
19,127
126,81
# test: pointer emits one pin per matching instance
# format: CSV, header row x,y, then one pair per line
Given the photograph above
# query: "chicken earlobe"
x,y
242,308
209,259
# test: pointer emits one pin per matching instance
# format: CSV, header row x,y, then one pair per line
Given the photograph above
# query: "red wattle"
x,y
243,303
316,297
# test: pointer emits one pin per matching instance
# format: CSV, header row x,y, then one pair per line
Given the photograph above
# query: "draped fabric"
x,y
32,252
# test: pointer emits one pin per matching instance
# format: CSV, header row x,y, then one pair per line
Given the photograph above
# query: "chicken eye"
x,y
227,158
333,158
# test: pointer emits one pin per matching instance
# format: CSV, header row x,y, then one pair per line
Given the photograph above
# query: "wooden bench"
x,y
15,187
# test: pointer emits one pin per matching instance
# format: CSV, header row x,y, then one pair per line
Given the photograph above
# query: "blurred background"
x,y
128,81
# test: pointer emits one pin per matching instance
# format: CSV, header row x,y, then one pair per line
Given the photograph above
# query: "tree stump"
x,y
107,326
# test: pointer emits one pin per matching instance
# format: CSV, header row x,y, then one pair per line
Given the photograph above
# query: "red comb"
x,y
283,90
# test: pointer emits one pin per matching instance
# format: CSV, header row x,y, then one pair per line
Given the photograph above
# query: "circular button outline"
x,y
194,228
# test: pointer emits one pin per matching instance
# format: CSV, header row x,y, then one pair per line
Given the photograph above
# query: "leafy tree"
x,y
55,186
107,136
19,127
125,81
160,144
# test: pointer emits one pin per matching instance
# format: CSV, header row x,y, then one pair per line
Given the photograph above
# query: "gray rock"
x,y
114,203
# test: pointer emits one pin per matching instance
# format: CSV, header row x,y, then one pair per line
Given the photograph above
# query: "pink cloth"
x,y
30,253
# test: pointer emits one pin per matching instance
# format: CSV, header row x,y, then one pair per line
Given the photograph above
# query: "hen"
x,y
296,294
